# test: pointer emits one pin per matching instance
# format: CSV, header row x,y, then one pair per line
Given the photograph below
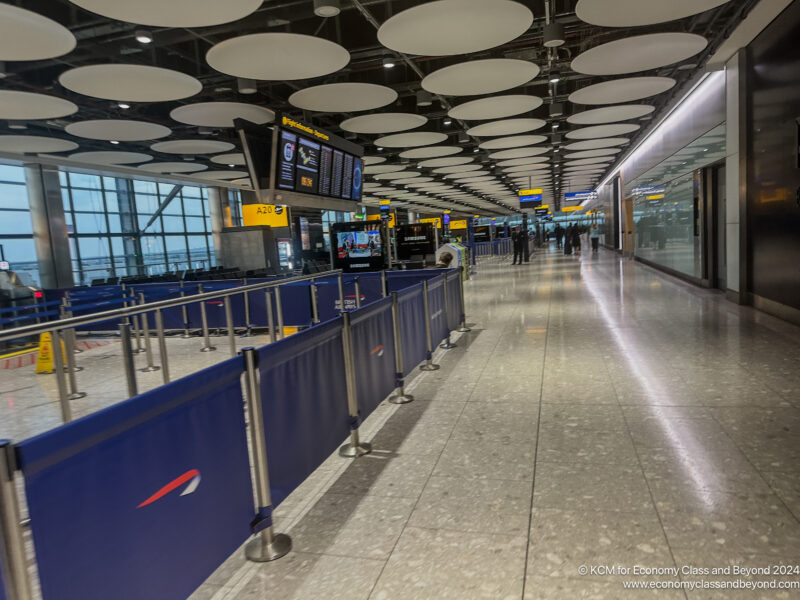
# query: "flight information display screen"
x,y
325,168
307,167
336,174
286,157
358,178
347,176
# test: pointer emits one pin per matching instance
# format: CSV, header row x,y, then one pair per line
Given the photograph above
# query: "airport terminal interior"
x,y
399,299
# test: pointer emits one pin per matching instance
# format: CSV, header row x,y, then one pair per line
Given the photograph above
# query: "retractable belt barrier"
x,y
145,499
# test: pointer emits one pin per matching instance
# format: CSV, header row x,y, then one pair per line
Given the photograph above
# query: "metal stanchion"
x,y
185,315
69,342
429,364
61,378
358,293
148,348
399,396
270,317
354,448
384,285
462,328
279,309
267,545
229,325
314,307
13,561
446,344
162,345
204,320
72,338
247,324
127,358
341,294
137,332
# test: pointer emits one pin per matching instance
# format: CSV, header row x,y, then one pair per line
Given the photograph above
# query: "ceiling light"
x,y
3,73
115,142
477,150
555,77
555,125
143,36
17,125
327,8
424,98
388,63
231,166
553,35
448,122
380,149
123,105
246,86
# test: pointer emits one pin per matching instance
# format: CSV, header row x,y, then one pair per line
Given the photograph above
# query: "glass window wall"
x,y
16,229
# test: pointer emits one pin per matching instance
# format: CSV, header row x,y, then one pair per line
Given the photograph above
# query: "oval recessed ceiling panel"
x,y
343,97
519,153
23,144
638,53
398,175
222,175
599,143
610,114
486,76
420,182
593,153
445,162
405,140
192,147
524,168
173,167
516,162
457,169
234,158
221,114
111,157
375,169
599,160
514,141
431,152
448,27
373,160
30,106
383,123
601,131
26,35
496,107
277,56
621,90
175,13
131,83
506,127
120,130
632,13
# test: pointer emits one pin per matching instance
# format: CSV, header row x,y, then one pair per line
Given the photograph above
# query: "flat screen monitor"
x,y
287,148
325,170
415,239
358,246
347,177
482,234
336,173
358,178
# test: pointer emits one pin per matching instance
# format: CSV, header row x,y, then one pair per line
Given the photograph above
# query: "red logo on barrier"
x,y
192,476
377,350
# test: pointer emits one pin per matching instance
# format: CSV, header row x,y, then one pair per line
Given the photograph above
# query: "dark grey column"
x,y
130,227
216,198
49,226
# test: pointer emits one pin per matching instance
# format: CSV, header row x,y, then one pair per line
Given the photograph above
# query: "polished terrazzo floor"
x,y
598,413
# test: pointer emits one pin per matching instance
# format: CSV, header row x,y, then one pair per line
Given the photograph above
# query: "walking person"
x,y
568,240
594,235
559,231
518,242
576,238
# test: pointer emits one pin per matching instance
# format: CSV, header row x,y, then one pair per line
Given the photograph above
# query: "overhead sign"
x,y
532,192
385,202
530,198
378,218
303,128
541,211
570,208
458,224
274,215
580,196
435,220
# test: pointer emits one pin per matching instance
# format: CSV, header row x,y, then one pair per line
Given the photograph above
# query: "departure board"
x,y
325,166
307,166
347,177
286,158
358,178
336,174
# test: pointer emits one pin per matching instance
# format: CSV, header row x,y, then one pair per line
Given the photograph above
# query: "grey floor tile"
x,y
589,446
386,474
468,459
558,588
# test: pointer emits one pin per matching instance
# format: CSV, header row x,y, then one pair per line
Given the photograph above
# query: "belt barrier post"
x,y
204,320
341,294
71,334
279,309
399,396
148,348
270,317
267,545
162,345
229,325
462,328
358,292
247,324
314,308
68,338
354,448
61,378
137,332
446,344
184,314
384,285
127,358
13,561
36,308
429,364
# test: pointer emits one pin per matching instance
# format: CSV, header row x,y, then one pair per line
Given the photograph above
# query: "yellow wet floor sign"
x,y
44,362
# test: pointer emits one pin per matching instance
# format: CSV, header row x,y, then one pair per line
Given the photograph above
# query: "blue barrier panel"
x,y
144,499
412,327
215,309
155,292
436,308
398,280
373,354
305,403
370,284
296,302
258,302
453,300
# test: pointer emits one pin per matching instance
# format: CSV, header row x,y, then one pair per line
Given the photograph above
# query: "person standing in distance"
x,y
518,241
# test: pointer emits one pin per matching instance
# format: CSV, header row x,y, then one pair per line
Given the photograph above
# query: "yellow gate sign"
x,y
44,361
273,215
437,221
